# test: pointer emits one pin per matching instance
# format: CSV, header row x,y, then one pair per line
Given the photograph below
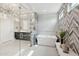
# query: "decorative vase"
x,y
61,40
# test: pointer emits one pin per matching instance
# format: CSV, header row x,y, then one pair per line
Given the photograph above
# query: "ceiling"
x,y
43,8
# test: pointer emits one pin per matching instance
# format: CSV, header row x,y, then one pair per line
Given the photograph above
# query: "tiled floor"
x,y
11,48
45,47
45,51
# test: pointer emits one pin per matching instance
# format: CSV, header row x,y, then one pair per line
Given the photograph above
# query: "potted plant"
x,y
62,34
64,46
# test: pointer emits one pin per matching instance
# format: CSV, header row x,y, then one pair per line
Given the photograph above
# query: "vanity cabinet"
x,y
23,35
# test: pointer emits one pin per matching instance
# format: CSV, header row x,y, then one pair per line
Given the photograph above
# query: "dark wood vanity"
x,y
22,35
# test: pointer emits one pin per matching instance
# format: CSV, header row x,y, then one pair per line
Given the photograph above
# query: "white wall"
x,y
6,28
46,24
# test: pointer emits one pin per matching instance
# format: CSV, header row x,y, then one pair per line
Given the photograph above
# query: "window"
x,y
61,15
71,6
